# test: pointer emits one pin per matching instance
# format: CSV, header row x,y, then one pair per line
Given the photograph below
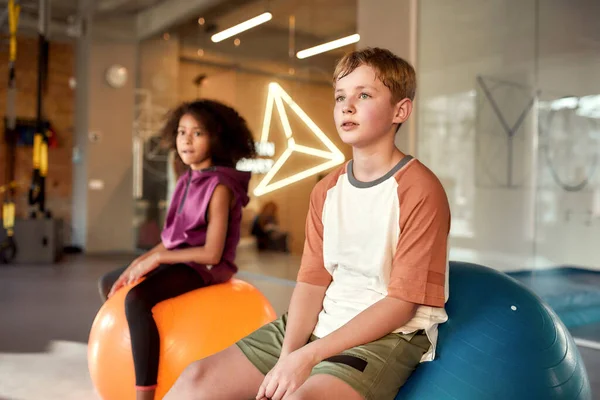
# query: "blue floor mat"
x,y
573,293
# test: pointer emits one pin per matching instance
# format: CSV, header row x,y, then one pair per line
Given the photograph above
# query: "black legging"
x,y
165,282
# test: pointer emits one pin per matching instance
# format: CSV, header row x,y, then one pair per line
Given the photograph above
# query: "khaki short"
x,y
376,370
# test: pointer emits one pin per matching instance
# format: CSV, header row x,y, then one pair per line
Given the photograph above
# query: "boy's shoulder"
x,y
418,186
417,177
329,180
414,179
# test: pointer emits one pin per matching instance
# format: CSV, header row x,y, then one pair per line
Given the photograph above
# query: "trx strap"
x,y
37,191
8,248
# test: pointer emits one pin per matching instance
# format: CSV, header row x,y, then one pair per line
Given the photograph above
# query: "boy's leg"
x,y
325,386
235,373
223,376
373,371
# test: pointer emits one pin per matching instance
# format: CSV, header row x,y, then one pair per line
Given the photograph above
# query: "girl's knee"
x,y
136,302
106,282
104,285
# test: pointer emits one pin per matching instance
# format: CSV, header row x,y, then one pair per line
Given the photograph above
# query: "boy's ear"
x,y
402,110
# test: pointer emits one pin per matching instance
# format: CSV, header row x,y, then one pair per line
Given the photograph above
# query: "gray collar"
x,y
363,185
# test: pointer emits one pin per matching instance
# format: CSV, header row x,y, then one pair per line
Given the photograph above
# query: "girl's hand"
x,y
119,283
143,267
135,272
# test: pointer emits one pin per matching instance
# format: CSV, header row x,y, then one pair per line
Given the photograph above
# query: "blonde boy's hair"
x,y
395,73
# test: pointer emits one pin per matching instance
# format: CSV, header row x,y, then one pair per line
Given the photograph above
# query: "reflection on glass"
x,y
447,149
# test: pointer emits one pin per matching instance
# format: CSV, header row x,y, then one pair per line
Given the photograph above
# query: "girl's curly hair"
x,y
230,138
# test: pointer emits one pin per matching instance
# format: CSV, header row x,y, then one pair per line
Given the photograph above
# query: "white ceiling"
x,y
62,10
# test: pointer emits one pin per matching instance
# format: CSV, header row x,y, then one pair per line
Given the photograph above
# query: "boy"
x,y
373,278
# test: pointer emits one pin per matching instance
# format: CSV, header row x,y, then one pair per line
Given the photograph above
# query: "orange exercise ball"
x,y
191,326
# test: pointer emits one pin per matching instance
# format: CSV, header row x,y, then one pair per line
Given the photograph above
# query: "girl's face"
x,y
193,143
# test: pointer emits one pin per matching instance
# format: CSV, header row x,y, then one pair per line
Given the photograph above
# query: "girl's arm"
x,y
209,254
130,272
159,247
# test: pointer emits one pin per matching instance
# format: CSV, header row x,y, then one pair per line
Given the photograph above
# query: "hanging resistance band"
x,y
37,192
8,248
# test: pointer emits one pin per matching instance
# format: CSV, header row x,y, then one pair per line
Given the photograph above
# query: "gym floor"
x,y
46,313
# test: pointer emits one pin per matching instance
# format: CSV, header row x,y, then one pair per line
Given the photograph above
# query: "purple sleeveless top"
x,y
186,221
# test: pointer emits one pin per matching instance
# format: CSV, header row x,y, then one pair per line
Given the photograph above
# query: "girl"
x,y
201,231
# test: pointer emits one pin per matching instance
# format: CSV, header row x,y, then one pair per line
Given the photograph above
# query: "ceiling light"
x,y
244,26
322,48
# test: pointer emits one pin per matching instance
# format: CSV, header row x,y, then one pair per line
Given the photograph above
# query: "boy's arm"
x,y
383,317
305,306
313,279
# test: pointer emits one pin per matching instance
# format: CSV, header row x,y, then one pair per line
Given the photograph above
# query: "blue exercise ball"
x,y
501,341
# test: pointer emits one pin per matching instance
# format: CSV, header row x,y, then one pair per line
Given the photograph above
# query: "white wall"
x,y
392,25
510,213
110,113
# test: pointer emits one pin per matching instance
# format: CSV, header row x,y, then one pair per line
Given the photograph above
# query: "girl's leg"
x,y
106,282
165,282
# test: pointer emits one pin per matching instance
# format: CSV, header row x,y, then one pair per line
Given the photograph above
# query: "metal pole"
x,y
37,193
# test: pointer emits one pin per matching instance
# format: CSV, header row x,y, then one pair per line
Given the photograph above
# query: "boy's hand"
x,y
286,376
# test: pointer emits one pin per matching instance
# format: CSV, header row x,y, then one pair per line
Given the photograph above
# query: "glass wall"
x,y
508,117
257,72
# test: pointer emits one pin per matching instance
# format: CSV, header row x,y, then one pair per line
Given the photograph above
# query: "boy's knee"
x,y
187,385
194,373
300,395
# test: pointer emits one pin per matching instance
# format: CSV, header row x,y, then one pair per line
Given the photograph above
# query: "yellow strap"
x,y
44,159
13,21
8,215
37,143
11,185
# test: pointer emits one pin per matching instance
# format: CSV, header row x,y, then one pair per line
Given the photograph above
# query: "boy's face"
x,y
364,113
